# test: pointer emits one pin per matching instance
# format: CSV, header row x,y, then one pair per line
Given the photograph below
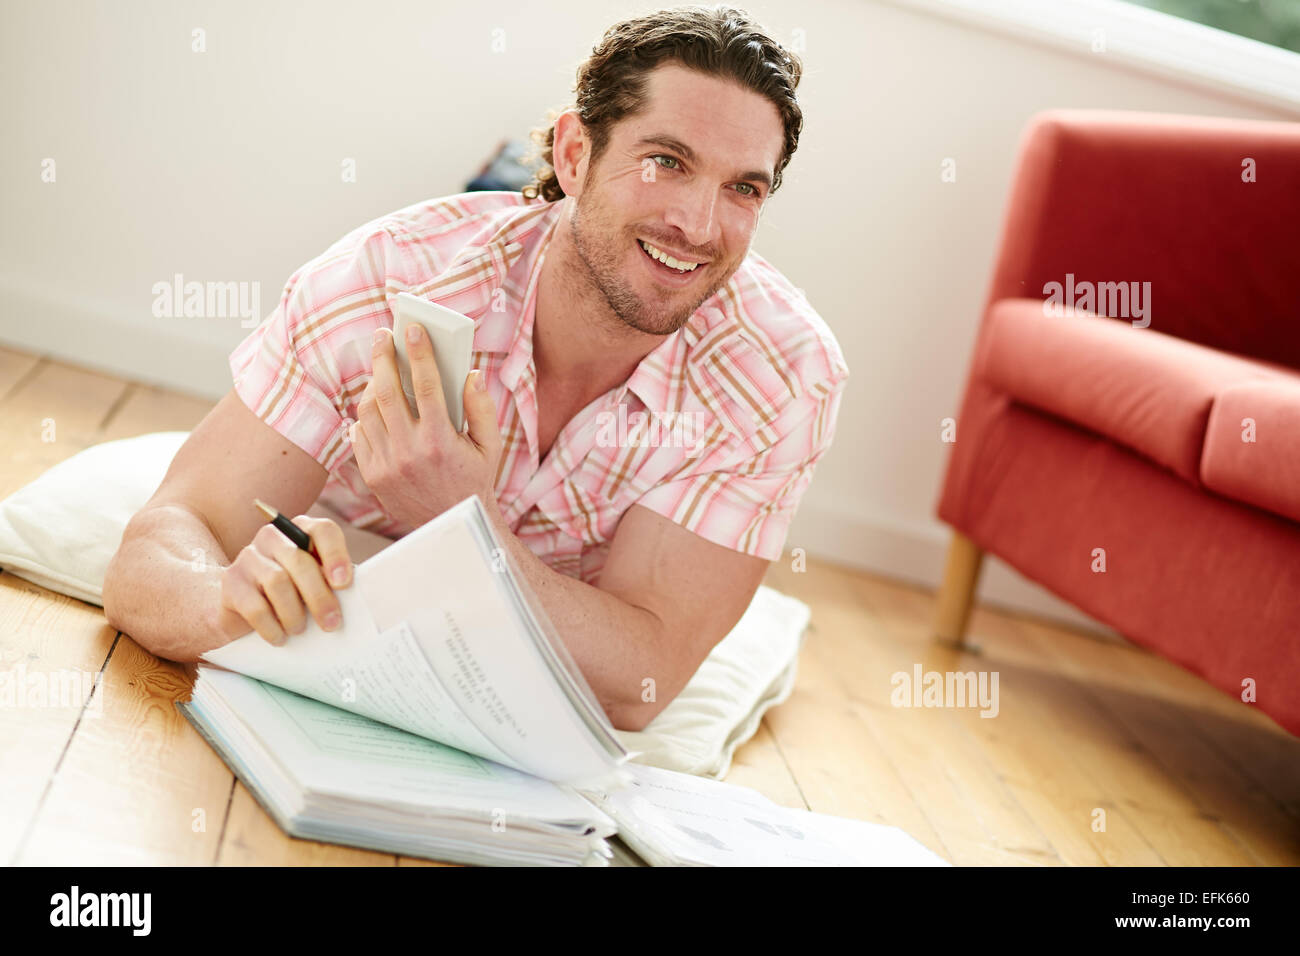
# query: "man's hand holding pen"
x,y
280,576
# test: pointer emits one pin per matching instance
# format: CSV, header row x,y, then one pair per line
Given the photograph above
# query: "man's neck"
x,y
577,337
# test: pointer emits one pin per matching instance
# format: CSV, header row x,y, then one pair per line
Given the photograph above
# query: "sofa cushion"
x,y
1252,445
1204,581
1143,389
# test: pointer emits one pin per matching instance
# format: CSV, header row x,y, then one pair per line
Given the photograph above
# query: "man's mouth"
x,y
667,262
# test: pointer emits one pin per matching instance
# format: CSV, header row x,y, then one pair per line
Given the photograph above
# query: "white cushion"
x,y
751,669
62,530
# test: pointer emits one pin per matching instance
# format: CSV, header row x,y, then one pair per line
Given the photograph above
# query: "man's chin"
x,y
657,324
665,321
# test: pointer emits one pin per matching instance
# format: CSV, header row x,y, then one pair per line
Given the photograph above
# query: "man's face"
x,y
688,175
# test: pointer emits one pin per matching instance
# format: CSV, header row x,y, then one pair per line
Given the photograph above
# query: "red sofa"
x,y
1161,436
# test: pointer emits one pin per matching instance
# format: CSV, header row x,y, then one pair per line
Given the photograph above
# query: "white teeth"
x,y
667,259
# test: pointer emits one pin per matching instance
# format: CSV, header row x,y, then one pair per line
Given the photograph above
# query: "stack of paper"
x,y
445,719
325,774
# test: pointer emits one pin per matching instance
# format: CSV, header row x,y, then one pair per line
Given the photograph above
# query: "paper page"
x,y
430,645
554,653
697,821
438,579
874,844
382,676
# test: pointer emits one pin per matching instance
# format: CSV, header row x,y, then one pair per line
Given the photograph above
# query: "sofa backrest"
x,y
1205,209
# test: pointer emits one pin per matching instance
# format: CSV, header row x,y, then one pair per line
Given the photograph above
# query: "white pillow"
x,y
751,669
62,530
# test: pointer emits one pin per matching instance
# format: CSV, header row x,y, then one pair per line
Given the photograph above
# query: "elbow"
x,y
626,723
121,597
641,699
630,722
637,714
116,593
110,596
120,594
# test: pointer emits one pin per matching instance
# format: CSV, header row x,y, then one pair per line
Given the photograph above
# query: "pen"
x,y
291,531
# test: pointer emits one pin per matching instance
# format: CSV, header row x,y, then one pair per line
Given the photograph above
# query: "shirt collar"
x,y
507,265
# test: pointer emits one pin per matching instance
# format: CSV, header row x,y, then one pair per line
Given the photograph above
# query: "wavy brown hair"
x,y
720,41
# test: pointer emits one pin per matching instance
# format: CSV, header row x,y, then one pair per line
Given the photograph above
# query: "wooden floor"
x,y
1185,775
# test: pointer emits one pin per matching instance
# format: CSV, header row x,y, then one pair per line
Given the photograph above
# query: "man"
x,y
648,402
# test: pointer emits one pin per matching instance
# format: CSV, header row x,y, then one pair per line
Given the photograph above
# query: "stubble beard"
x,y
602,259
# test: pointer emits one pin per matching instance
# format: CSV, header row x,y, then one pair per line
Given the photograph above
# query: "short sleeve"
x,y
290,384
299,369
748,506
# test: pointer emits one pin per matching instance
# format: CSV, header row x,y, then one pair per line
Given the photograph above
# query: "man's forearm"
x,y
616,645
163,587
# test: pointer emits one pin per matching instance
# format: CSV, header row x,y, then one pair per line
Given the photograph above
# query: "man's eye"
x,y
670,159
752,190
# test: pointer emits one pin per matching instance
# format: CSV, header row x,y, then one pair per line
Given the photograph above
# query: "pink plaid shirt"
x,y
718,428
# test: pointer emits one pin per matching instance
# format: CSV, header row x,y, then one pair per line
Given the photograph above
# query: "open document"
x,y
440,639
675,819
444,719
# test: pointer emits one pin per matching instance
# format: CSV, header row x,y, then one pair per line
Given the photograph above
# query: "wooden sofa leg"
x,y
957,594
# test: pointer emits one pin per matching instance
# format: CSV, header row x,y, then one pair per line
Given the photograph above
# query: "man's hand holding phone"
x,y
418,467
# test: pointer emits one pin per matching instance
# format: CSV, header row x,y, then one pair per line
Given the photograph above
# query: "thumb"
x,y
481,413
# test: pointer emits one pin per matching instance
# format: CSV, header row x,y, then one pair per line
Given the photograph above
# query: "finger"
x,y
331,548
386,384
308,579
362,450
369,418
244,597
426,381
275,582
481,414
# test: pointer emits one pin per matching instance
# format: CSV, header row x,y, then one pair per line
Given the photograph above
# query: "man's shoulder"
x,y
762,341
455,249
416,244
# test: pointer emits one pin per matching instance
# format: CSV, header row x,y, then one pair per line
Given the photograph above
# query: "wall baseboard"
x,y
916,555
95,335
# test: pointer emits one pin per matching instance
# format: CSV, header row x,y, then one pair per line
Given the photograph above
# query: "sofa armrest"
x,y
1109,196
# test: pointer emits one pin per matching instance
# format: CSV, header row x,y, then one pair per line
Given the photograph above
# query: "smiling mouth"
x,y
678,266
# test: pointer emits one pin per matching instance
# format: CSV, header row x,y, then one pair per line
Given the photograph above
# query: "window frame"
x,y
1136,36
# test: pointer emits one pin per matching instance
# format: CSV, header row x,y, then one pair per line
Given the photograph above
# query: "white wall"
x,y
225,166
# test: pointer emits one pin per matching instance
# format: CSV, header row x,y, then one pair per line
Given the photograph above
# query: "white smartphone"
x,y
452,335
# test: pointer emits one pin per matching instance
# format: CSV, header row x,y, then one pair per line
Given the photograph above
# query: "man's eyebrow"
x,y
676,145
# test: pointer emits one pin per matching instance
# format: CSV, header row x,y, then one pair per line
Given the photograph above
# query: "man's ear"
x,y
569,152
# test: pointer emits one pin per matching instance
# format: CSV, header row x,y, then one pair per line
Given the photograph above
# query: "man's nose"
x,y
694,213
